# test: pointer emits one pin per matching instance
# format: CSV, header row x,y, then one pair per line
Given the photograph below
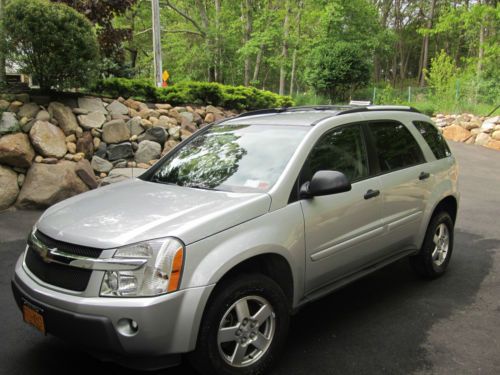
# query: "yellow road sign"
x,y
165,75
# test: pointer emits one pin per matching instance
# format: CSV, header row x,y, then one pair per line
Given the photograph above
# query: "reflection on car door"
x,y
342,230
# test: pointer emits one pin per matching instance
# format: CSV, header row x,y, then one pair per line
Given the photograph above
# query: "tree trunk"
x,y
218,48
3,75
425,57
258,61
284,50
247,34
294,56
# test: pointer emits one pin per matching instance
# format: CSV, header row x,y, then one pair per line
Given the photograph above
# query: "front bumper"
x,y
168,324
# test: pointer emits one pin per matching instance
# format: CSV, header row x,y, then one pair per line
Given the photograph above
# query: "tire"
x,y
216,349
434,256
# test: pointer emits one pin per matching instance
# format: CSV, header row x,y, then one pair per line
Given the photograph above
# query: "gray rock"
x,y
65,117
86,174
92,120
120,163
112,180
148,150
482,139
85,145
9,123
100,165
134,125
29,110
47,184
115,131
117,108
48,140
16,150
27,127
10,188
120,151
187,115
80,111
101,150
155,134
92,104
43,115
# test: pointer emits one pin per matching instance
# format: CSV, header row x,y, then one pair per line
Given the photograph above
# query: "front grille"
x,y
56,274
85,251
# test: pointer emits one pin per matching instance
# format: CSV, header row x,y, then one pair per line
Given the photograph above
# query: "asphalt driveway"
x,y
388,323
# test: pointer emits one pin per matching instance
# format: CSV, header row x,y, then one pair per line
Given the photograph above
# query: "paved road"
x,y
388,323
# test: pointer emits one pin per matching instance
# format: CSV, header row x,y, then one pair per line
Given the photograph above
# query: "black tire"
x,y
423,263
207,358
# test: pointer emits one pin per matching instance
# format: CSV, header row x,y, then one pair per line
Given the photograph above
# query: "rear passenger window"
x,y
434,139
396,147
340,150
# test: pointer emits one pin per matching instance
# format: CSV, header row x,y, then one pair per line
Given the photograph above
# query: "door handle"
x,y
372,193
424,176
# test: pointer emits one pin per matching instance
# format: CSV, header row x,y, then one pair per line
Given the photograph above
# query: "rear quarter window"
x,y
434,139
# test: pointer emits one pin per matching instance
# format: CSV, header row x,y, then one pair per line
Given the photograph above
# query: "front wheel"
x,y
244,327
435,254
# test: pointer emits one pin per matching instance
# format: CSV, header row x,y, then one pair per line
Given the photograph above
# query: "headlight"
x,y
161,273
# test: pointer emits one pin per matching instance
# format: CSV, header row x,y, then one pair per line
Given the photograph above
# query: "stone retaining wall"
x,y
53,151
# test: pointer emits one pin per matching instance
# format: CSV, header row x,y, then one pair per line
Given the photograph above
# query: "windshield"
x,y
240,158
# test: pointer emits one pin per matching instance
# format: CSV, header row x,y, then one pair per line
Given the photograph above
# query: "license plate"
x,y
33,315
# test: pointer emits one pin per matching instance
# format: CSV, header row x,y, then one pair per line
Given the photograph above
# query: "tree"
x,y
336,69
53,42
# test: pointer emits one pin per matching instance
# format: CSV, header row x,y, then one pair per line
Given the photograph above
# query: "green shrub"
x,y
201,93
53,42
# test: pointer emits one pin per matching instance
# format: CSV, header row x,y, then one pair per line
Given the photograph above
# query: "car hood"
x,y
136,210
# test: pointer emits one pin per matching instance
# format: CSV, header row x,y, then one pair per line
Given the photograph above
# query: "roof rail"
x,y
341,109
369,108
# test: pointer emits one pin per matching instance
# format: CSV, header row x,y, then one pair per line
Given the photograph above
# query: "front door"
x,y
342,230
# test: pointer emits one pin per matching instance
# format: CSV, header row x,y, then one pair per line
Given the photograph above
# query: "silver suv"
x,y
212,249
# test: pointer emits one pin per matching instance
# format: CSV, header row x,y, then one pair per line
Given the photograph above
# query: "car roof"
x,y
306,116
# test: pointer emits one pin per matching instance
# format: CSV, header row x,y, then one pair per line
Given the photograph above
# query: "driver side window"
x,y
342,150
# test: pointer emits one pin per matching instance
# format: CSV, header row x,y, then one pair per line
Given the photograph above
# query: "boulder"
x,y
47,184
496,135
92,120
456,133
120,151
135,127
100,165
163,106
169,145
101,150
131,103
15,106
64,116
8,123
85,145
115,131
210,117
482,139
4,104
127,172
92,105
29,110
188,116
16,150
48,140
214,110
85,172
43,115
10,187
117,108
148,150
489,124
157,134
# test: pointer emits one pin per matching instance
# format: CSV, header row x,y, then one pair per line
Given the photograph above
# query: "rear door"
x,y
342,230
405,183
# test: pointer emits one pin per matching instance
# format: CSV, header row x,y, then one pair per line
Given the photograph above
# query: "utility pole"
x,y
155,7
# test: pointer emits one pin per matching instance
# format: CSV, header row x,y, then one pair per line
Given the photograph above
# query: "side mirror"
x,y
325,183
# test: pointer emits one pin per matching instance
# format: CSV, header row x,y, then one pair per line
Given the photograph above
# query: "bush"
x,y
201,93
52,42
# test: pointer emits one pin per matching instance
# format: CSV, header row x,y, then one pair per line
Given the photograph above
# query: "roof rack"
x,y
341,109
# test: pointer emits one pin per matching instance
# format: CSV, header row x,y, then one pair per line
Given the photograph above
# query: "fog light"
x,y
127,327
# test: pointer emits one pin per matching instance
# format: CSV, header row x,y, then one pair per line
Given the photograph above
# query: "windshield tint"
x,y
240,158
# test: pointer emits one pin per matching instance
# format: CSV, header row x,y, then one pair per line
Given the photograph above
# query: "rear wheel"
x,y
435,254
244,327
